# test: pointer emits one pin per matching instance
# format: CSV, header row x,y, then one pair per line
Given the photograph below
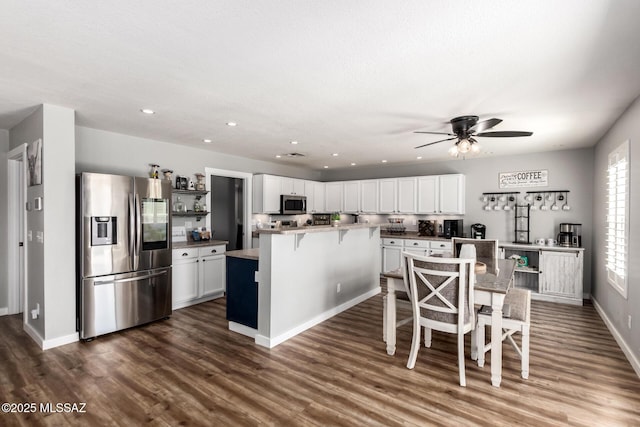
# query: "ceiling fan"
x,y
465,129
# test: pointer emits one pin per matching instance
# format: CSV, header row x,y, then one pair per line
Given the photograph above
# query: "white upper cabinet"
x,y
333,191
351,196
315,196
266,193
369,196
452,194
407,201
428,194
388,194
292,186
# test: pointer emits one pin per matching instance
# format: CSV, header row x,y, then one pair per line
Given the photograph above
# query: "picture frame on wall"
x,y
34,158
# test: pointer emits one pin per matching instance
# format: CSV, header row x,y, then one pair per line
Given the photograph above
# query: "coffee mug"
x,y
551,242
540,242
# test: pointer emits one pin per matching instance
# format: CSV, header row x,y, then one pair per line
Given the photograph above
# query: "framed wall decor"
x,y
34,157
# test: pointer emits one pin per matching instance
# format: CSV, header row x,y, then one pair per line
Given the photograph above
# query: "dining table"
x,y
490,289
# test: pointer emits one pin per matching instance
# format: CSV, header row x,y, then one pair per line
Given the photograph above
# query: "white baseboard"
x,y
633,359
52,343
265,341
242,329
4,311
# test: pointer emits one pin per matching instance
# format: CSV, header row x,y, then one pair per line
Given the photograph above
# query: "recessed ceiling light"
x,y
232,124
353,164
147,111
335,154
278,156
326,167
206,140
294,142
384,161
419,157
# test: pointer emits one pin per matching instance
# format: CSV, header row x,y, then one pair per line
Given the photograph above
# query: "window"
x,y
618,217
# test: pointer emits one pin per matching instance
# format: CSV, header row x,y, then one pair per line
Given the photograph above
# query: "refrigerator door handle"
x,y
132,232
130,279
136,255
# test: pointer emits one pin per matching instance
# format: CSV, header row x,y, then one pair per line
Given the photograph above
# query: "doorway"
x,y
16,250
229,201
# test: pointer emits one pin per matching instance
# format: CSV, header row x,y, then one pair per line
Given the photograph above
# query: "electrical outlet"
x,y
339,287
188,225
629,321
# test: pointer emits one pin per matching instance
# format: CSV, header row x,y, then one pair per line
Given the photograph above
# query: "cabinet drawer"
x,y
392,242
435,244
184,253
212,250
410,243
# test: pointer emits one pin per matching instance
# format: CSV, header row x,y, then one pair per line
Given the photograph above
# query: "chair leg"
x,y
384,318
474,345
415,344
427,337
463,381
525,351
480,327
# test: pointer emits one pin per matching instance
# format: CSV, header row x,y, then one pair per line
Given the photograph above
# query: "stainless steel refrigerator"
x,y
123,252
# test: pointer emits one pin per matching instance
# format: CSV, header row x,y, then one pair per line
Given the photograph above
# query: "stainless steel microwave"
x,y
293,205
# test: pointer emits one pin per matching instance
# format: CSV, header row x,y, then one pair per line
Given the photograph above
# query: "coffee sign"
x,y
538,178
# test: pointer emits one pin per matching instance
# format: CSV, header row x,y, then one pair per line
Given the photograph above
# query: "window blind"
x,y
618,217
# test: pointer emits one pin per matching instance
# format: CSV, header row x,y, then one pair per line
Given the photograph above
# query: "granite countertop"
x,y
410,235
314,229
201,243
245,253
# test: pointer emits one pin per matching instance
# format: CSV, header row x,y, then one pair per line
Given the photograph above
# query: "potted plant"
x,y
335,219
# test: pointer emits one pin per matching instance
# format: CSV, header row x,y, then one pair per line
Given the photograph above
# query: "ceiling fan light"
x,y
475,148
464,146
453,151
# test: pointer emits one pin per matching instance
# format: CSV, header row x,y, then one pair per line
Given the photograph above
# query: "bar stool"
x,y
519,320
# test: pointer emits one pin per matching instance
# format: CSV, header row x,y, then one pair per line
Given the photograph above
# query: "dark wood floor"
x,y
191,370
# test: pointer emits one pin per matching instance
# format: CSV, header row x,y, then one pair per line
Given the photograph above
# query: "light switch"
x,y
30,235
39,236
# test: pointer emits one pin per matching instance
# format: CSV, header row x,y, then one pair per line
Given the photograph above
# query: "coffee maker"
x,y
570,235
478,231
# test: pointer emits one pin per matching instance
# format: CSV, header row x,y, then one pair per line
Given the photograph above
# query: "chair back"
x,y
441,291
486,251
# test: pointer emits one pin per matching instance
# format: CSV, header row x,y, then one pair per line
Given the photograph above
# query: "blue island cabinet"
x,y
242,291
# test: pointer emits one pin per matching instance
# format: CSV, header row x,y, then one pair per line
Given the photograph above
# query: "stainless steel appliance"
x,y
293,205
321,219
478,231
570,235
123,252
452,228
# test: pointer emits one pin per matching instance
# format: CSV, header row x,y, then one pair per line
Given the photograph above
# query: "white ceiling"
x,y
348,77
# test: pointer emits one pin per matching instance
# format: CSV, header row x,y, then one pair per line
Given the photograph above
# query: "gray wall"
x,y
4,278
108,152
616,307
568,170
51,264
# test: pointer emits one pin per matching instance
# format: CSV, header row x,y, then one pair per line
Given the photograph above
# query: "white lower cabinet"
x,y
198,275
392,248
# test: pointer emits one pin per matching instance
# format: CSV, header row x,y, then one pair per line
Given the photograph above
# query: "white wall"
x,y
4,149
616,307
109,152
568,170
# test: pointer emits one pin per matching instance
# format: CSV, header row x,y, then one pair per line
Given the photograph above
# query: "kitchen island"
x,y
306,275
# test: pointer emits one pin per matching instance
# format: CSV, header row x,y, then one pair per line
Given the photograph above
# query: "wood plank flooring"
x,y
190,370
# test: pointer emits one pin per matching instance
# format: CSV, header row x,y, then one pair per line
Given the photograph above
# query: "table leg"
x,y
391,316
497,301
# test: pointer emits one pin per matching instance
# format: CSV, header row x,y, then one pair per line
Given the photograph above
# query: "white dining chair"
x,y
519,320
441,293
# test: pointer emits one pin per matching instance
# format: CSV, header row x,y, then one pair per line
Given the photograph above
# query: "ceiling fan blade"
x,y
436,133
504,134
484,125
436,142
